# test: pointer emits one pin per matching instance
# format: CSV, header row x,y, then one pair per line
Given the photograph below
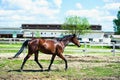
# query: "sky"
x,y
13,13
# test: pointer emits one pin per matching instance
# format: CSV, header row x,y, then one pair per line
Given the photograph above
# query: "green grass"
x,y
68,47
10,45
108,70
9,48
13,48
11,67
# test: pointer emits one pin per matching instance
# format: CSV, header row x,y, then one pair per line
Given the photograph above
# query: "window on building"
x,y
91,39
100,40
80,39
106,36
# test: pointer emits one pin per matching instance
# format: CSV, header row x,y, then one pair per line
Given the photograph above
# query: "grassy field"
x,y
82,66
78,70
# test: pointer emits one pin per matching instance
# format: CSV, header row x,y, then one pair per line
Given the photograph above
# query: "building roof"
x,y
10,31
41,26
53,26
96,27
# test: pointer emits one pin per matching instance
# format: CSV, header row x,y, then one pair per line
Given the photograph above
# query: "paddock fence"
x,y
12,40
103,48
86,47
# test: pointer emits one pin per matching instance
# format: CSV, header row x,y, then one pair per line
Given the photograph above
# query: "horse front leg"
x,y
62,57
52,59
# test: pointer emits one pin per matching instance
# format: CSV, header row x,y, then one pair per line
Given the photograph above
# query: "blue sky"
x,y
13,13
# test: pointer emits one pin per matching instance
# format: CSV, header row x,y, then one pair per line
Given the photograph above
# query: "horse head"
x,y
75,40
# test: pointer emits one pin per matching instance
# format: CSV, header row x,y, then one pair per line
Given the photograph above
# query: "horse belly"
x,y
48,47
47,50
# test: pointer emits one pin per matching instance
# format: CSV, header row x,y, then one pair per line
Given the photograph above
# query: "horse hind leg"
x,y
25,59
36,60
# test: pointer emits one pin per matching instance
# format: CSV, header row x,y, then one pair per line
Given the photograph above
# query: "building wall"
x,y
11,33
44,33
53,30
93,36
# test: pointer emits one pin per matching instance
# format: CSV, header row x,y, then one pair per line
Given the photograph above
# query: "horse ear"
x,y
74,35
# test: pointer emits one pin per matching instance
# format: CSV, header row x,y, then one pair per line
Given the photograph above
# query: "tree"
x,y
76,25
117,23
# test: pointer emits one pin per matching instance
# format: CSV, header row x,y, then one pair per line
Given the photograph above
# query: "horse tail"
x,y
21,49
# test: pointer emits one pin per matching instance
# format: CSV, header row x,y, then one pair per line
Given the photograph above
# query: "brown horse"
x,y
54,47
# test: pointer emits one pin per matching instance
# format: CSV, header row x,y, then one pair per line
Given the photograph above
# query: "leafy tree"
x,y
76,25
117,23
37,34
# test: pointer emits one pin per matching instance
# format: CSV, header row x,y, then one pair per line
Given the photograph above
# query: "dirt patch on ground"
x,y
74,61
70,57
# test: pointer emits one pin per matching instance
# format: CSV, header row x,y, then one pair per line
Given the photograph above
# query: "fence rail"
x,y
113,46
12,40
86,49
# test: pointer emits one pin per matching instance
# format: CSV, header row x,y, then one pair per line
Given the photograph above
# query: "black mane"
x,y
64,37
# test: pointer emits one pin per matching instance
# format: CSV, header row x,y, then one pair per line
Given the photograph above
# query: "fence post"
x,y
85,47
10,41
14,40
113,51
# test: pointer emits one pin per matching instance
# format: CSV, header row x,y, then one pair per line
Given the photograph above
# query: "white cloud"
x,y
112,6
93,13
95,16
78,5
14,12
110,1
42,2
27,11
30,6
24,4
102,15
58,3
16,4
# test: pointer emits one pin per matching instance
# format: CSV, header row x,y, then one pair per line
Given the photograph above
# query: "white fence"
x,y
12,40
113,46
86,49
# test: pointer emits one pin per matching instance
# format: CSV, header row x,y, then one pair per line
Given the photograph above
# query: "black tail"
x,y
22,48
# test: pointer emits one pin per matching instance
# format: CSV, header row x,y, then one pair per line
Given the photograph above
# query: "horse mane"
x,y
64,37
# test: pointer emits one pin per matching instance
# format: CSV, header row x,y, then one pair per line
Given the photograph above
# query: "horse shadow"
x,y
30,70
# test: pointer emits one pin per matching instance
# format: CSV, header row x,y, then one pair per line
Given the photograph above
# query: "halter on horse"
x,y
53,47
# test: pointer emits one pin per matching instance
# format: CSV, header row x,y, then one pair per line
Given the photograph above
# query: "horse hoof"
x,y
65,69
21,70
41,70
48,70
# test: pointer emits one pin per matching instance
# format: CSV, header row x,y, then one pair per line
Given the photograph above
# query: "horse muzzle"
x,y
79,45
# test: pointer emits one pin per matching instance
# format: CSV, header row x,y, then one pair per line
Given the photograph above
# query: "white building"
x,y
44,33
55,30
96,36
115,38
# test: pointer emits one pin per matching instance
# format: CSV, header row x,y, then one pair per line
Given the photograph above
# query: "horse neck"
x,y
66,42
